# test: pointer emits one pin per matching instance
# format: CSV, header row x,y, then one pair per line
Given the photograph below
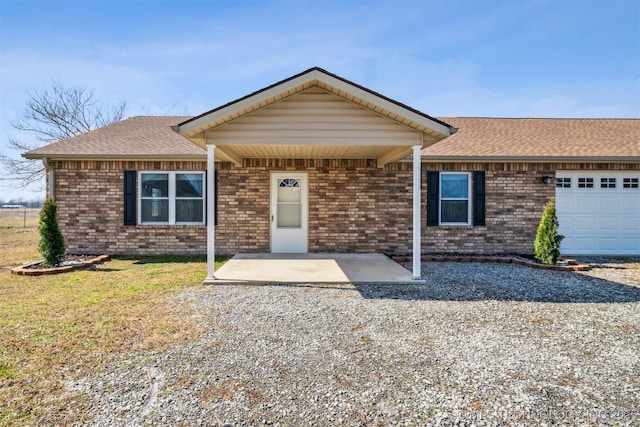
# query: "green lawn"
x,y
56,328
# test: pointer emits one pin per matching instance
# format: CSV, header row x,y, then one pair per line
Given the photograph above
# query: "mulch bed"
x,y
71,262
566,264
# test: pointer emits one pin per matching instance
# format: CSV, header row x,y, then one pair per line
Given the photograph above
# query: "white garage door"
x,y
599,212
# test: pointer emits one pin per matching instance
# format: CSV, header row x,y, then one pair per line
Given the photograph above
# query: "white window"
x,y
455,204
171,198
289,203
563,182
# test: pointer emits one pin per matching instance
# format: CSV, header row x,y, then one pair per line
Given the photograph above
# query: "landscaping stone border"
x,y
571,264
28,270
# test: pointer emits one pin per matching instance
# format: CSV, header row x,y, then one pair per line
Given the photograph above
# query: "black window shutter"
x,y
215,190
215,187
478,198
433,197
130,197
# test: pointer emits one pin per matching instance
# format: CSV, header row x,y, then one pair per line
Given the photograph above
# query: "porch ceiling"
x,y
382,153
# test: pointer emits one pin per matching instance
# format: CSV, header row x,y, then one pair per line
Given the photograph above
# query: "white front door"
x,y
289,212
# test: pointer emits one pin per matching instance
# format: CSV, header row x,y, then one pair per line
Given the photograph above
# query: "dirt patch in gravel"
x,y
490,344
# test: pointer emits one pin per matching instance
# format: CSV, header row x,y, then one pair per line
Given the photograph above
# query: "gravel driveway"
x,y
490,344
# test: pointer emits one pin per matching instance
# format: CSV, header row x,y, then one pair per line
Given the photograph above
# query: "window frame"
x,y
587,182
468,199
608,182
630,183
172,198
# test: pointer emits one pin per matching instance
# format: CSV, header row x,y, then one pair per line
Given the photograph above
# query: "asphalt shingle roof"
x,y
140,136
480,138
540,138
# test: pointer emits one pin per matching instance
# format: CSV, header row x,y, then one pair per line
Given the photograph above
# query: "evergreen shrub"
x,y
547,243
51,244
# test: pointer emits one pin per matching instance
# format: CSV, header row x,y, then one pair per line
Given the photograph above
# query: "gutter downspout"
x,y
50,177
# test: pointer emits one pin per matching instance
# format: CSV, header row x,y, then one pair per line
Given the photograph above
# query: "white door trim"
x,y
289,239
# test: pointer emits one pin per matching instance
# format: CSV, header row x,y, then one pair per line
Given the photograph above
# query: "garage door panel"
x,y
584,223
608,223
586,245
564,200
566,223
608,244
599,220
567,242
630,203
584,202
629,224
607,202
631,244
583,243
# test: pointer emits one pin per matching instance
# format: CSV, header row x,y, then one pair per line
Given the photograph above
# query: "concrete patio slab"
x,y
311,268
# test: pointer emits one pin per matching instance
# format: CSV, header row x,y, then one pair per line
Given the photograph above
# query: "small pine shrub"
x,y
547,244
51,244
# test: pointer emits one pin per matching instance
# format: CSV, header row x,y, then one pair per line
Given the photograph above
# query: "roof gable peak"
x,y
196,127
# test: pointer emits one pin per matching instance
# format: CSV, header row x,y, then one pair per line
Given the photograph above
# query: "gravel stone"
x,y
480,344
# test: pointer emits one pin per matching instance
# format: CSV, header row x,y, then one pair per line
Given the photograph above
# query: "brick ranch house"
x,y
316,163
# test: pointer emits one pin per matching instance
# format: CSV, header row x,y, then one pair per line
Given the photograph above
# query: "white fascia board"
x,y
301,81
385,104
122,157
315,141
246,102
528,159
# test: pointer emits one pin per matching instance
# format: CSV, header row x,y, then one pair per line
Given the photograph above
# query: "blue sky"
x,y
513,58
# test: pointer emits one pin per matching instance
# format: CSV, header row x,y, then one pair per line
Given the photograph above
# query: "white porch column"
x,y
417,196
211,211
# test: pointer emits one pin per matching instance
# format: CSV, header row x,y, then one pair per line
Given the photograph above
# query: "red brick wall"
x,y
90,194
360,209
353,207
515,199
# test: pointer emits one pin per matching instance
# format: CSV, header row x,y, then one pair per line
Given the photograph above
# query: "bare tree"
x,y
50,116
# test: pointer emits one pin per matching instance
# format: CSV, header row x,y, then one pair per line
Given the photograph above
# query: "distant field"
x,y
10,216
18,236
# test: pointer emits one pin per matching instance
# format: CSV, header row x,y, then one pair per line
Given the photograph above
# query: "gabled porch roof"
x,y
314,114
